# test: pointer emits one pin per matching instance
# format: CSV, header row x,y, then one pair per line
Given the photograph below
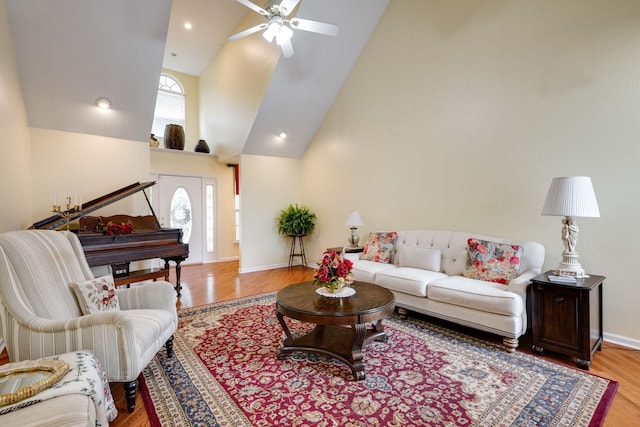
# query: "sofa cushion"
x,y
479,295
412,281
491,261
365,271
424,258
379,247
96,295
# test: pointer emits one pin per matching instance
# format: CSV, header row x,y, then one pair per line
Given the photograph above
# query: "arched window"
x,y
169,105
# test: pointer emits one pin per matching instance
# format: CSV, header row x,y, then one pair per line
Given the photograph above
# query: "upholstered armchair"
x,y
41,316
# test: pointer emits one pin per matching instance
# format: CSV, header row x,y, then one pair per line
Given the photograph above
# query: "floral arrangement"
x,y
115,229
334,271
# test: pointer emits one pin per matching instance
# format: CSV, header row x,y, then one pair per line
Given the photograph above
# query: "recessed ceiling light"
x,y
283,135
188,25
103,103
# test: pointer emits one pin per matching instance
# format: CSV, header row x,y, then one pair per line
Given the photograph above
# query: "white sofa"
x,y
445,293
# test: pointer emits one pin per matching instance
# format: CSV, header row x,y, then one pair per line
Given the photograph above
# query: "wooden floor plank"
x,y
208,283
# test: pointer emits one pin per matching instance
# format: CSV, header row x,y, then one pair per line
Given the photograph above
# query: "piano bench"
x,y
141,275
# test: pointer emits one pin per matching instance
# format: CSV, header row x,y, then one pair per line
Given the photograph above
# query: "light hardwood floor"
x,y
204,284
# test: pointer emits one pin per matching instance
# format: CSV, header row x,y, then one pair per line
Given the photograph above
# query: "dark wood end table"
x,y
347,249
567,317
370,304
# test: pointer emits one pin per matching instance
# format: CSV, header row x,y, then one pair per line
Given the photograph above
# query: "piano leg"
x,y
178,285
177,260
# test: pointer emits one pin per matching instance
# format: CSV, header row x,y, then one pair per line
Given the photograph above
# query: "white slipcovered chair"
x,y
40,315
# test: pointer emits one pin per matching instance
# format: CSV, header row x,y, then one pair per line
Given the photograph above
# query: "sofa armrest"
x,y
520,284
352,256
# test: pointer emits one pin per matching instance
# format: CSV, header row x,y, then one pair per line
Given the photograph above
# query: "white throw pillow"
x,y
424,258
97,295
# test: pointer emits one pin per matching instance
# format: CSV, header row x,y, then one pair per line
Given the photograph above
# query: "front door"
x,y
180,206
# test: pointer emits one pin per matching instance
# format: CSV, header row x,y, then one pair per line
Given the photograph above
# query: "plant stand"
x,y
300,251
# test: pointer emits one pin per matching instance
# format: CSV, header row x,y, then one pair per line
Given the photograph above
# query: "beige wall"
x,y
198,164
190,84
15,185
231,89
458,114
268,185
91,166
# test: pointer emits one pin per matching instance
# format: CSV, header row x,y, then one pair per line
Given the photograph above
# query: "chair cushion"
x,y
379,247
476,294
491,261
96,295
424,258
409,280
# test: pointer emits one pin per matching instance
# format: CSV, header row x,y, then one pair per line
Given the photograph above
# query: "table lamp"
x,y
571,196
353,221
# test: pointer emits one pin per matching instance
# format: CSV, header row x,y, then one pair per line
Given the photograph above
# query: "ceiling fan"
x,y
279,27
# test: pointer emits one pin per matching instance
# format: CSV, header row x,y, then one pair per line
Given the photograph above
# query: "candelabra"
x,y
71,210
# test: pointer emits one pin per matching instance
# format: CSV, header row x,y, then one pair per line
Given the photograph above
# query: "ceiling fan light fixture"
x,y
279,27
284,35
271,32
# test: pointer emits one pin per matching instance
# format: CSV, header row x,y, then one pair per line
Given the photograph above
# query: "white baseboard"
x,y
231,258
270,267
623,341
261,268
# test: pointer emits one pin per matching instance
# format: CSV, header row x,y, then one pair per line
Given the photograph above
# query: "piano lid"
x,y
56,221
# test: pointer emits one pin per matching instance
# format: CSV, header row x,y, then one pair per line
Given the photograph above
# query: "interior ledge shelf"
x,y
169,150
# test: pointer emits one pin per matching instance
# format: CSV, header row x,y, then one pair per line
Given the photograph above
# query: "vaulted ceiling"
x,y
71,52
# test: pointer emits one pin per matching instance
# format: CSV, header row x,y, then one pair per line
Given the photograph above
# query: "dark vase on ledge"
x,y
174,137
202,147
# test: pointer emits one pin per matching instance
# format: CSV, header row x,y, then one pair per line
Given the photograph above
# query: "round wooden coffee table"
x,y
370,304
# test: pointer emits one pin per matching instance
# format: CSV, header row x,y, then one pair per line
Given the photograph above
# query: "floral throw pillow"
x,y
379,247
97,295
491,261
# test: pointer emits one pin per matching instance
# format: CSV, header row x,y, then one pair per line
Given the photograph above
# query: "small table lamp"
x,y
571,196
353,221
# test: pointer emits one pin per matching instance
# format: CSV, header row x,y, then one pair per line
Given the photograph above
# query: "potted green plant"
x,y
296,221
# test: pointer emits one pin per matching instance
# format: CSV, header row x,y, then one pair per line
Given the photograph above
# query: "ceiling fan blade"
x,y
248,31
253,7
287,49
289,5
314,26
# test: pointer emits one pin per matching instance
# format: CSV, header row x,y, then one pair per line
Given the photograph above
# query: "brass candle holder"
x,y
70,209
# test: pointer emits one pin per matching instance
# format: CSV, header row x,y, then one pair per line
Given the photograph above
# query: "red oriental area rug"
x,y
225,373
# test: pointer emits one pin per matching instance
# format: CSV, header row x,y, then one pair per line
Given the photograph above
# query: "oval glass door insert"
x,y
181,212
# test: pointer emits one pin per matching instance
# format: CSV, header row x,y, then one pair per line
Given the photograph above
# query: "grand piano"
x,y
147,241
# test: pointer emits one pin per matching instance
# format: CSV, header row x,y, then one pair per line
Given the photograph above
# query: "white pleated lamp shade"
x,y
571,196
353,220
